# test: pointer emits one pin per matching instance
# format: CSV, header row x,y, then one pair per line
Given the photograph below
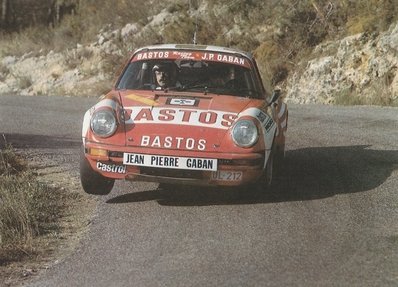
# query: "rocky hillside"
x,y
356,69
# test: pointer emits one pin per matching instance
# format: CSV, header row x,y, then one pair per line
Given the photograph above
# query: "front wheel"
x,y
268,172
265,181
93,182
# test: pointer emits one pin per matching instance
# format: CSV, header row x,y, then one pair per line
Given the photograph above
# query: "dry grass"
x,y
10,163
348,98
28,208
34,40
298,26
377,93
24,82
4,71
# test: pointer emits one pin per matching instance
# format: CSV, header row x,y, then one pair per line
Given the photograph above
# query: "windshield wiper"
x,y
195,86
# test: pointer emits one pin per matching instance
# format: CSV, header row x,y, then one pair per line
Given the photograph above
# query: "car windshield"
x,y
190,75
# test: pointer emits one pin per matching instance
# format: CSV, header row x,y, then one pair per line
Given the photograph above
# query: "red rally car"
x,y
184,114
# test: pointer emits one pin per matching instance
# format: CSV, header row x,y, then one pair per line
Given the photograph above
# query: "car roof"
x,y
191,47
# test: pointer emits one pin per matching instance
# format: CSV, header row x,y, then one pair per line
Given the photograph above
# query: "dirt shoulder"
x,y
71,225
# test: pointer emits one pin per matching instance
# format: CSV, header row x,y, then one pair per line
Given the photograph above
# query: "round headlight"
x,y
103,123
245,133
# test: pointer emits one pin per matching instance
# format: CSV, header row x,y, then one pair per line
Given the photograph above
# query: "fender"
x,y
105,103
268,126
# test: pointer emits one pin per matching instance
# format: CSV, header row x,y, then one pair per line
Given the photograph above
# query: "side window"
x,y
259,81
136,76
129,77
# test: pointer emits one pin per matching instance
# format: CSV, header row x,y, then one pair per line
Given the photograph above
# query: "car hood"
x,y
180,121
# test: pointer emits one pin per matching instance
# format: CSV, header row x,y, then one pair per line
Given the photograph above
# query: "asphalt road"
x,y
330,220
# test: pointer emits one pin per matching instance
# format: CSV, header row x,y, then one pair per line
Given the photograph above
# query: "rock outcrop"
x,y
361,65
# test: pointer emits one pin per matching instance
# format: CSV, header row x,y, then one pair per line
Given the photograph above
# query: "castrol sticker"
x,y
113,168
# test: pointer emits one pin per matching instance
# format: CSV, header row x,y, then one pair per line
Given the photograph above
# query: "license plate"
x,y
227,175
176,162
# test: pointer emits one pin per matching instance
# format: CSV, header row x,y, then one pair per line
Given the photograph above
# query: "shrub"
x,y
369,16
28,208
180,30
348,98
377,93
10,163
24,82
4,71
271,64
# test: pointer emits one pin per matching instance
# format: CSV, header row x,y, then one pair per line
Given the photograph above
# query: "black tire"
x,y
265,182
93,182
279,160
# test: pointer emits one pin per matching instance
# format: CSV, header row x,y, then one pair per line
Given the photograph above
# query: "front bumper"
x,y
232,169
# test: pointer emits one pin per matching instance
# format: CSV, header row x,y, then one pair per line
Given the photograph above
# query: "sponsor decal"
x,y
174,162
153,55
262,117
113,168
199,56
182,102
142,99
185,55
268,125
265,120
224,58
179,116
173,142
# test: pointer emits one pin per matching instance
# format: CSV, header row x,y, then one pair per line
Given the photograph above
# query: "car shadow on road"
x,y
308,174
38,141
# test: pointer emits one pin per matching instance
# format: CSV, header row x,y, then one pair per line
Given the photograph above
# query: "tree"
x,y
4,11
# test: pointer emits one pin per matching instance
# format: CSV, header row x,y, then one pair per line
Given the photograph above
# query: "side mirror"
x,y
275,96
